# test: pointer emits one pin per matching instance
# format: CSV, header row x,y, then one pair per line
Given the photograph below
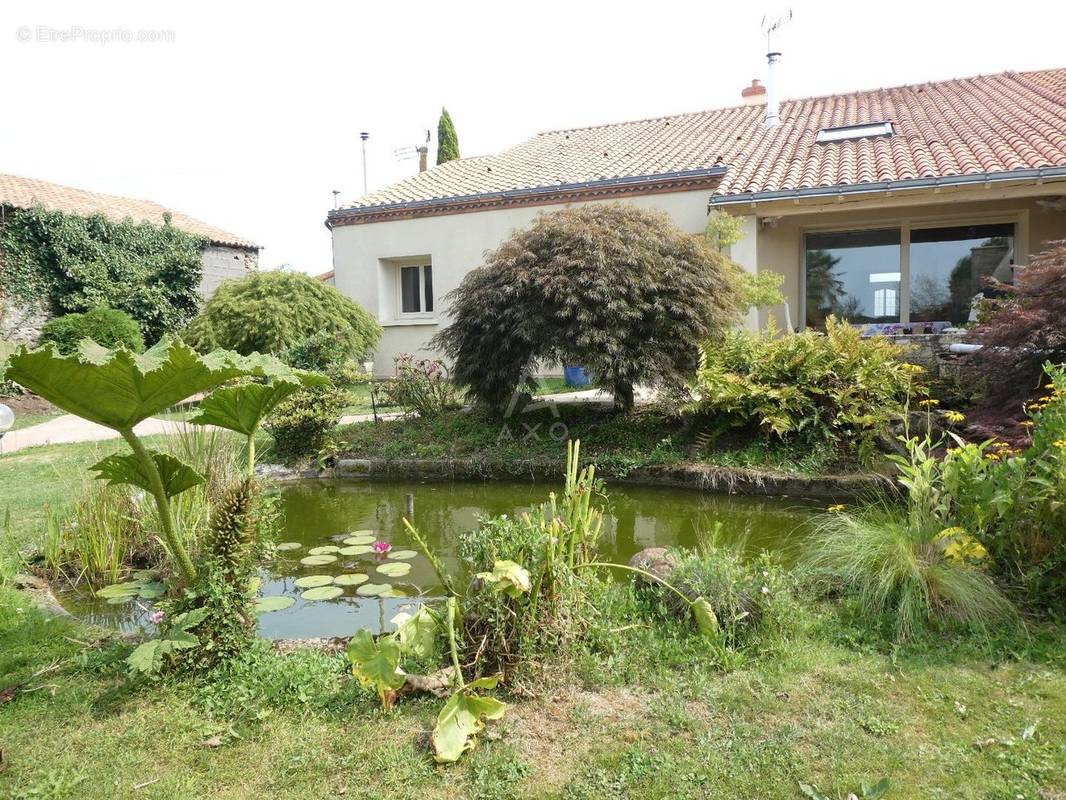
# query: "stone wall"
x,y
929,350
22,324
222,263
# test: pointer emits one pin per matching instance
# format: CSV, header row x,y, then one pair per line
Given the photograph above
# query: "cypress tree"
x,y
447,139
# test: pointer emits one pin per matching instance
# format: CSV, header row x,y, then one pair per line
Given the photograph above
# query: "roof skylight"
x,y
847,132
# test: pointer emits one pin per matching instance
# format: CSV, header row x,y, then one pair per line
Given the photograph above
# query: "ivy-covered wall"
x,y
65,263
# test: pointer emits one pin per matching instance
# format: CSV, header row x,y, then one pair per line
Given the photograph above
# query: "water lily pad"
x,y
318,561
351,579
274,603
288,546
403,555
394,570
323,550
355,550
360,538
311,581
373,589
394,591
322,593
120,599
126,590
152,590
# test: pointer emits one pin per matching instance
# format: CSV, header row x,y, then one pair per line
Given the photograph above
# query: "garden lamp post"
x,y
7,419
368,366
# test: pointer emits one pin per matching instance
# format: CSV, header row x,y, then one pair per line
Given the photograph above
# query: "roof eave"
x,y
539,195
880,187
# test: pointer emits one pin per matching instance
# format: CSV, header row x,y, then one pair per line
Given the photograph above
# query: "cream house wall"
x,y
366,259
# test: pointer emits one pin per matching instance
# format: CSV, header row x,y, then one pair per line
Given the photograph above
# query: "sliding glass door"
x,y
903,276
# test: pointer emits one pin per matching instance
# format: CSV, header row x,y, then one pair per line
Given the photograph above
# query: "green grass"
x,y
653,721
29,420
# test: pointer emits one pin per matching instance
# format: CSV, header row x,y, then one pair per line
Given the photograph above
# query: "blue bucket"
x,y
576,376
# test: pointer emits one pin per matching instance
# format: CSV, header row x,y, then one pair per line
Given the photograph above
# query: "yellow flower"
x,y
912,368
954,416
836,508
1028,423
929,402
1060,443
1001,445
992,456
960,547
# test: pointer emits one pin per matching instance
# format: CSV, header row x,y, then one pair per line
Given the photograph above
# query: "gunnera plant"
x,y
223,588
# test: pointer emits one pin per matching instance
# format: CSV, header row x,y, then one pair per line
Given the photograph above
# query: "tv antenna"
x,y
772,26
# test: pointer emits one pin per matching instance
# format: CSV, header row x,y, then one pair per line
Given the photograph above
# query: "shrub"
x,y
521,634
421,386
302,422
819,386
1011,500
615,288
1027,325
105,326
268,312
321,352
919,574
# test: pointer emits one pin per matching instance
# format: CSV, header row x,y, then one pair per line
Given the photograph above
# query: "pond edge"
x,y
687,475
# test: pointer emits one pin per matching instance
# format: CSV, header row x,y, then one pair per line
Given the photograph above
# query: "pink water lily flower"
x,y
381,548
156,617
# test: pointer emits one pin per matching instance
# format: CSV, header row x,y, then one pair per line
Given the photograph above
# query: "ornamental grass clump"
x,y
920,575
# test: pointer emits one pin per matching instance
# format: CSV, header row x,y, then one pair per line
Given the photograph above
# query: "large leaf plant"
x,y
119,389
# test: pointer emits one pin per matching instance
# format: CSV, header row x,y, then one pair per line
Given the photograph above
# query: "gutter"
x,y
537,191
1038,174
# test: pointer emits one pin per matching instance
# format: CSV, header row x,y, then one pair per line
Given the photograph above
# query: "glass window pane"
x,y
410,294
854,276
427,272
948,266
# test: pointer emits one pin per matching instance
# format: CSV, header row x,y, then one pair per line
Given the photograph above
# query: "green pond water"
x,y
321,514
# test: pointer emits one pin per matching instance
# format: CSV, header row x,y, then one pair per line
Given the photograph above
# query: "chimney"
x,y
754,95
773,116
423,157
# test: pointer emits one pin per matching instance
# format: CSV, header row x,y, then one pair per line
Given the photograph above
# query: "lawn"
x,y
642,712
648,719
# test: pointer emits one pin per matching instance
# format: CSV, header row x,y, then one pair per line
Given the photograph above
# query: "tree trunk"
x,y
623,396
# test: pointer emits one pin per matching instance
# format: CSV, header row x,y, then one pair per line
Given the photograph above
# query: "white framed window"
x,y
415,286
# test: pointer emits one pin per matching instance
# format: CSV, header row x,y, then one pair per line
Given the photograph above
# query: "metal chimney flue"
x,y
773,113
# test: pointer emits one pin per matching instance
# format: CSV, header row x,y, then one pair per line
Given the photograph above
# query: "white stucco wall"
x,y
366,257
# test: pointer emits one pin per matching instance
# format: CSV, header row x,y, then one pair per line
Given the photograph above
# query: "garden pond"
x,y
345,561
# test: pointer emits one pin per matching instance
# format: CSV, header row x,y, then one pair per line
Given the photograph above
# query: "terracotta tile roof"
x,y
19,192
970,126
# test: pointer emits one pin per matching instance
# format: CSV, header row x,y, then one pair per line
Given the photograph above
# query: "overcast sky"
x,y
250,116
